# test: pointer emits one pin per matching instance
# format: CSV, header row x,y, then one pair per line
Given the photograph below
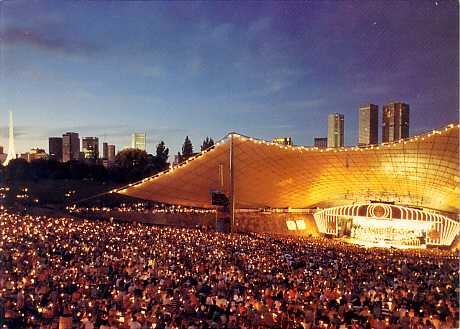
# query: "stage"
x,y
387,225
379,244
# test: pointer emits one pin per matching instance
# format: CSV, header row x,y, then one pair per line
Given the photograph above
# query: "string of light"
x,y
223,141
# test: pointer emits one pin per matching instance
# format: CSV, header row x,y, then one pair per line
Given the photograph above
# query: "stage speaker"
x,y
218,198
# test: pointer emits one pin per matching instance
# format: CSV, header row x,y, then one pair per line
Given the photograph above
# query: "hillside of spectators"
x,y
98,274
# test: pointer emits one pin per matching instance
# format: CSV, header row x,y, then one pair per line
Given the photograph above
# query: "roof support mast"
x,y
232,185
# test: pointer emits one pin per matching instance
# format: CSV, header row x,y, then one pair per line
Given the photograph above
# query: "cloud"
x,y
118,134
222,31
146,70
260,25
36,133
274,82
275,127
196,65
18,132
166,136
371,89
306,104
47,41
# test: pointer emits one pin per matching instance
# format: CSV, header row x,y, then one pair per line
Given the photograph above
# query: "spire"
x,y
11,152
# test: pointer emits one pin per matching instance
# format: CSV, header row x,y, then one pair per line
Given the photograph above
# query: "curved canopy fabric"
x,y
421,171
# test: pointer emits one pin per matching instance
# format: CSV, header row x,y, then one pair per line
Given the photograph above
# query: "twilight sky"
x,y
263,69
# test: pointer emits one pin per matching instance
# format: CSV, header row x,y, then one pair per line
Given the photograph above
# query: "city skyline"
x,y
394,121
334,125
194,70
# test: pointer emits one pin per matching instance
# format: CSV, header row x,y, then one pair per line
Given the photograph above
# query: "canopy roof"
x,y
420,171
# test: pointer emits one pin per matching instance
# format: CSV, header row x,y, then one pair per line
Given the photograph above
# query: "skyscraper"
x,y
138,141
335,130
55,148
111,153
70,147
105,150
320,142
395,121
11,152
90,148
368,125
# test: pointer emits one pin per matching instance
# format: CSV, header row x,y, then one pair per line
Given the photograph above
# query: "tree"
x,y
17,170
131,158
187,149
161,157
97,172
135,164
77,170
41,168
207,143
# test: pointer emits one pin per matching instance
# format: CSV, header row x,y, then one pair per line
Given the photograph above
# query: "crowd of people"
x,y
139,207
75,273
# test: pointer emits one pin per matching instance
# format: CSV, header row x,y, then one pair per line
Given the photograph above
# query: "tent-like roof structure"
x,y
420,171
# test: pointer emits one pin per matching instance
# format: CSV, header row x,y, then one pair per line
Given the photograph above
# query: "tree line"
x,y
187,148
130,165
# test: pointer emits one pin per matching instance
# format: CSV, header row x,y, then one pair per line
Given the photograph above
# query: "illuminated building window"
x,y
291,225
301,224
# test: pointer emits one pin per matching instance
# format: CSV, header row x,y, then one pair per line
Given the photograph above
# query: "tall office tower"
x,y
395,121
55,148
138,141
105,150
335,130
320,142
368,125
70,147
283,140
111,153
90,148
11,152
